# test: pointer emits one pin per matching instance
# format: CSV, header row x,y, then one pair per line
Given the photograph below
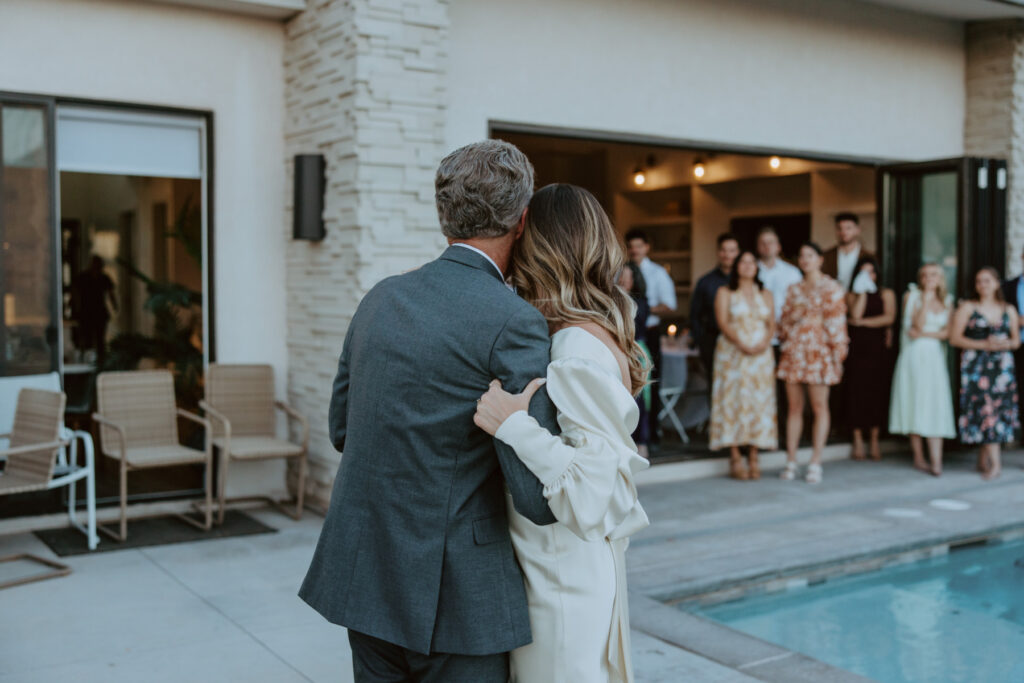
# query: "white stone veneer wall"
x,y
365,87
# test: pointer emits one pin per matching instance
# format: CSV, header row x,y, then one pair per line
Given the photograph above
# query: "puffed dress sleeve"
x,y
834,321
790,313
587,472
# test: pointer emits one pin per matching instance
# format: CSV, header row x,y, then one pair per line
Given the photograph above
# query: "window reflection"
x,y
28,332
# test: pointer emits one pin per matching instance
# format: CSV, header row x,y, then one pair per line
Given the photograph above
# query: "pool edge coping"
x,y
812,573
738,651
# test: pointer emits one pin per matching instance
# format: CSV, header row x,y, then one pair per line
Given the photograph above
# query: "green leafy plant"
x,y
173,343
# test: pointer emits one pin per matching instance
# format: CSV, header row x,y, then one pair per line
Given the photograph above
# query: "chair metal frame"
x,y
57,569
67,471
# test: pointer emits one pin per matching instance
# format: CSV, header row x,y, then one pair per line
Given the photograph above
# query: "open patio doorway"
x,y
683,198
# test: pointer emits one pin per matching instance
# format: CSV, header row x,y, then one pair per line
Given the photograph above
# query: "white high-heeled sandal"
x,y
788,472
814,474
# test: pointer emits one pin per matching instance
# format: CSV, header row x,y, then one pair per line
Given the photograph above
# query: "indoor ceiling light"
x,y
638,177
775,162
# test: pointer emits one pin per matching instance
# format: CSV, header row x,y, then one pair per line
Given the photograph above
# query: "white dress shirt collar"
x,y
489,259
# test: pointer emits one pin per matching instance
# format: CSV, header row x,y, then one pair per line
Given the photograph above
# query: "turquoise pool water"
x,y
950,619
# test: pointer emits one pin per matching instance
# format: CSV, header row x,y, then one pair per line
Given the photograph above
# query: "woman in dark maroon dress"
x,y
872,311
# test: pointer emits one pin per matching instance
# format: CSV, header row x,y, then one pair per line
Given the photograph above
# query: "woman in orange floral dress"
x,y
812,333
743,390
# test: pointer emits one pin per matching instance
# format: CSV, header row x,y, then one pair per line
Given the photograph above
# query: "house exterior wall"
x,y
832,78
384,88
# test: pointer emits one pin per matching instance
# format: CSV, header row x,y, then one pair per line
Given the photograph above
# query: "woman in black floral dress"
x,y
987,331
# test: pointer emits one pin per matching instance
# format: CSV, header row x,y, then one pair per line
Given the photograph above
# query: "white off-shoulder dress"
x,y
575,569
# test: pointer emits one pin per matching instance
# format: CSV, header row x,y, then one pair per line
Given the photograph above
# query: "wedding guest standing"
x,y
839,263
661,301
703,326
632,280
777,276
872,311
922,403
814,342
743,389
841,259
988,331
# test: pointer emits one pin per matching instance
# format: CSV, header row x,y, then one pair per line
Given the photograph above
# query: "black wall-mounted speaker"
x,y
308,201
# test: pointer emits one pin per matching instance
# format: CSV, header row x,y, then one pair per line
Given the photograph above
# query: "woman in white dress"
x,y
922,402
567,265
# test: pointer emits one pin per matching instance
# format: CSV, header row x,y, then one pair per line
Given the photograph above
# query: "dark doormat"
x,y
153,531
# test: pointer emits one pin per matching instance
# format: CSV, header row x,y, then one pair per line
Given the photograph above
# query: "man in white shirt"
x,y
661,297
841,259
777,276
661,290
839,263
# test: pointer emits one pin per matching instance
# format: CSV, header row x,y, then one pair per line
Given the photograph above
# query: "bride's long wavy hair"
x,y
568,263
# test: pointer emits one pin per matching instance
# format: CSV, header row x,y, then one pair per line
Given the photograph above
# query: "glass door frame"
x,y
981,216
52,103
48,104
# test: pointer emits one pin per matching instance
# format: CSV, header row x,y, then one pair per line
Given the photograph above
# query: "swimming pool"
x,y
959,617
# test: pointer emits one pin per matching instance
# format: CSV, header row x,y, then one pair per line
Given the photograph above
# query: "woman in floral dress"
x,y
743,389
986,328
814,342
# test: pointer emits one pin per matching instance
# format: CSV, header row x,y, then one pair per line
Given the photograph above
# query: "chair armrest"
x,y
192,416
298,417
207,427
122,433
216,415
33,448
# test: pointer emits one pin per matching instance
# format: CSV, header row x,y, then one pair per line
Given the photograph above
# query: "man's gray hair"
x,y
482,189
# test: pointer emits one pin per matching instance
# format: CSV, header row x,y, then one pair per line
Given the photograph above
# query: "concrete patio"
x,y
226,610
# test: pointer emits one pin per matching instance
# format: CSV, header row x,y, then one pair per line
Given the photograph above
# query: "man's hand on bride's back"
x,y
497,405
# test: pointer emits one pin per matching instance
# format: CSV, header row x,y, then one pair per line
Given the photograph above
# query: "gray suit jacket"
x,y
415,549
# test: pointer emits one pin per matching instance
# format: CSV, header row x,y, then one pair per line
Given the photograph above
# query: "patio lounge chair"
x,y
137,416
37,461
240,401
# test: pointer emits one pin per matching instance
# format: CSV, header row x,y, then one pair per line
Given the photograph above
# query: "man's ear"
x,y
522,224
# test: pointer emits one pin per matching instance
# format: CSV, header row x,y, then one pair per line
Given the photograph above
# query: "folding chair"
x,y
674,375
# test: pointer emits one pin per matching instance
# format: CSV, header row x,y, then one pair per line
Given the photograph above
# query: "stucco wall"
x,y
832,77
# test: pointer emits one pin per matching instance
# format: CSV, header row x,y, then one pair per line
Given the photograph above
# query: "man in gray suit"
x,y
415,557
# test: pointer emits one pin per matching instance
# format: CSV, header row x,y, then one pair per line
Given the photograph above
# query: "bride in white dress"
x,y
567,265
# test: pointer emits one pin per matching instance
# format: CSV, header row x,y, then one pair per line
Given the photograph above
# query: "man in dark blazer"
x,y
840,260
1013,293
415,557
